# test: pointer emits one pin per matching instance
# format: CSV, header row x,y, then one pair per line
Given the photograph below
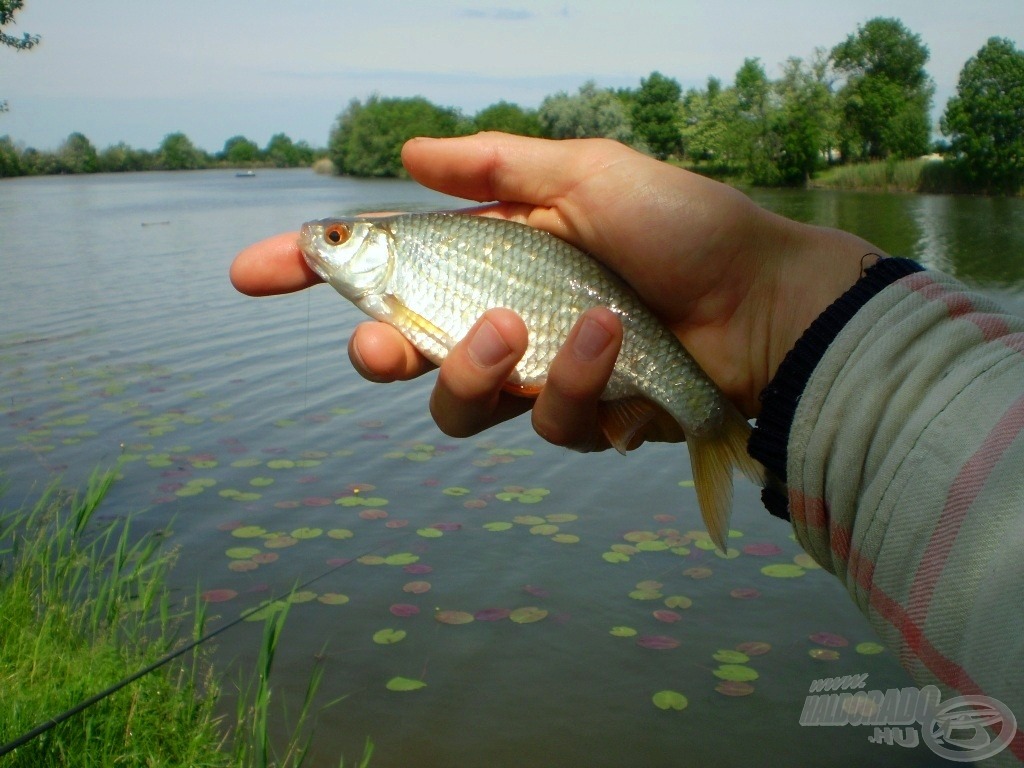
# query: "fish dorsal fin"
x,y
431,341
628,421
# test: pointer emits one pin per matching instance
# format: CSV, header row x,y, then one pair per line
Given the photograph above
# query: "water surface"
x,y
245,432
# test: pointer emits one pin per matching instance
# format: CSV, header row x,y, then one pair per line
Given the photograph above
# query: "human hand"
x,y
737,284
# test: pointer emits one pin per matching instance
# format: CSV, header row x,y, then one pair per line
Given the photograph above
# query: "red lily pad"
x,y
763,548
754,648
657,642
668,617
734,688
404,609
492,614
744,593
219,595
829,639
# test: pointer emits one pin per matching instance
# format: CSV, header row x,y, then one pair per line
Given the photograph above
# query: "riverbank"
x,y
85,609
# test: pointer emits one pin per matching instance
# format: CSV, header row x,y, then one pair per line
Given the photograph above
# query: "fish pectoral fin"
x,y
521,390
433,342
627,422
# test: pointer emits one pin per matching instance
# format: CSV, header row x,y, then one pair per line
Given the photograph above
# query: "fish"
x,y
431,275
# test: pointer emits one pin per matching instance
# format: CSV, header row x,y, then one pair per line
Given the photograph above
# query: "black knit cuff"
x,y
770,439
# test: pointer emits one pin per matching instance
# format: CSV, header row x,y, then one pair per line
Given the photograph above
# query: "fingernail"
x,y
487,348
591,340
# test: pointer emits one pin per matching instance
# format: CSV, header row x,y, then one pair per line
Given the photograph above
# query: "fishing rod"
x,y
67,714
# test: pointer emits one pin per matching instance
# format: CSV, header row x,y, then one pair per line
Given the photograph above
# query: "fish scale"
x,y
432,275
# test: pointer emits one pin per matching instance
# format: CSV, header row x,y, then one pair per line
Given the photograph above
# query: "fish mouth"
x,y
308,237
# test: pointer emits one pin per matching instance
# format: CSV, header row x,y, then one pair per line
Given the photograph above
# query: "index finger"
x,y
274,265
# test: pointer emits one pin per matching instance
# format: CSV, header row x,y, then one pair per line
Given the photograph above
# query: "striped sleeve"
x,y
905,478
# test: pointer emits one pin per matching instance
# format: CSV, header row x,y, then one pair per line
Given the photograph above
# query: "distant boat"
x,y
245,174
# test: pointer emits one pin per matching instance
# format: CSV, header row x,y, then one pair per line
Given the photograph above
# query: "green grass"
x,y
919,175
83,606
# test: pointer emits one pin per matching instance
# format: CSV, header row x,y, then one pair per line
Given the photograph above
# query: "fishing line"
x,y
42,728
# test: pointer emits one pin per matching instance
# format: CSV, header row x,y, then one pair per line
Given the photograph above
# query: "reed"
x,y
84,606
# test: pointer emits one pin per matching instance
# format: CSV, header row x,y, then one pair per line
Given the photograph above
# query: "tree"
x,y
656,115
367,138
120,157
592,113
77,155
284,153
887,94
239,150
749,136
178,153
804,120
7,10
10,158
985,119
509,118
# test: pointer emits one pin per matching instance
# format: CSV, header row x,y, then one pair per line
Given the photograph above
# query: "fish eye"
x,y
336,234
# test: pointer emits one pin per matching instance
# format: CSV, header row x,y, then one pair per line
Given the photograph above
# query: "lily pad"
x,y
453,617
333,598
218,595
402,684
736,673
657,642
783,571
401,558
565,538
667,617
754,648
829,639
623,632
527,615
416,587
670,700
869,648
734,688
492,614
430,533
678,601
497,526
388,636
404,610
726,656
823,654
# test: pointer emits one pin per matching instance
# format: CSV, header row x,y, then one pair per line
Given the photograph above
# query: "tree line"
x,y
176,153
866,99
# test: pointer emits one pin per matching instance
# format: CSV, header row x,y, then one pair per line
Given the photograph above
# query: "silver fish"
x,y
432,275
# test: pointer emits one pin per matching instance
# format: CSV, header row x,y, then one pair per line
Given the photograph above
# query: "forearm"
x,y
902,454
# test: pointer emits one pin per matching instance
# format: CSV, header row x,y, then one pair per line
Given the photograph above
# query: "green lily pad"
x,y
388,636
615,557
248,532
623,632
669,700
736,672
429,533
527,615
565,538
340,533
453,617
307,533
497,526
402,684
333,598
241,553
726,656
401,558
869,648
783,571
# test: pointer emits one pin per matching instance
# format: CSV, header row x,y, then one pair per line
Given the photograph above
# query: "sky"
x,y
135,71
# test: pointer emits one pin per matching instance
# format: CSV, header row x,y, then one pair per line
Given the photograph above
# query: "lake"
x,y
542,597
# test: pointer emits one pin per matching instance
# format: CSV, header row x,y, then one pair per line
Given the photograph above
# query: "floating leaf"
x,y
678,601
615,557
241,553
736,672
497,526
388,636
492,614
754,648
218,595
649,585
402,684
545,529
303,596
404,610
370,560
340,533
430,533
417,568
869,648
456,491
248,532
783,571
804,560
333,598
725,656
241,566
668,617
829,639
527,615
823,654
453,617
280,542
401,558
565,538
734,688
730,554
744,593
652,546
637,536
417,587
669,700
280,464
645,594
307,533
561,517
762,548
623,632
529,520
657,642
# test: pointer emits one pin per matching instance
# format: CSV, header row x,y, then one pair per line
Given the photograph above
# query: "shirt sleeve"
x,y
896,426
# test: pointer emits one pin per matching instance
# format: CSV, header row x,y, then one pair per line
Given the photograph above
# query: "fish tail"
x,y
713,457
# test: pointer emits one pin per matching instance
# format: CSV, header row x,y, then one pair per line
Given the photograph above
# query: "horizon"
x,y
204,70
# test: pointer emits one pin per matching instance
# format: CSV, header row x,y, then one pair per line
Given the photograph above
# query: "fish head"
x,y
353,255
